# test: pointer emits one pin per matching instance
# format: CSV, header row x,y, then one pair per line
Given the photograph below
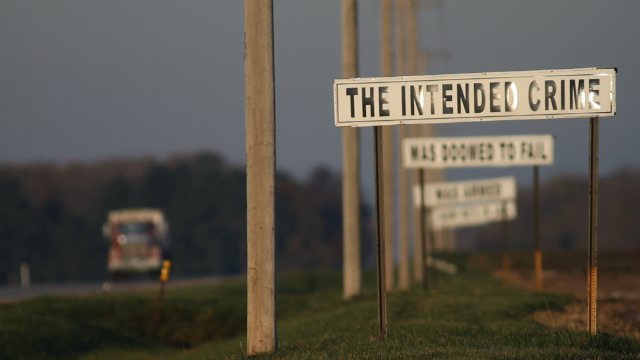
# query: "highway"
x,y
16,292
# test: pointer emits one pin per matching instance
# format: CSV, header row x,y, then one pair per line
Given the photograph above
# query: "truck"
x,y
139,241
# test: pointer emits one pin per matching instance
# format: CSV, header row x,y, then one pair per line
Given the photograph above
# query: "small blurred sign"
x,y
475,151
472,215
456,192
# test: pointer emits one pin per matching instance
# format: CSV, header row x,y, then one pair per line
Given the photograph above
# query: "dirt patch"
x,y
618,306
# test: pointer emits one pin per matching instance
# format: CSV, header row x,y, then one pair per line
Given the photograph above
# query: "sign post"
x,y
423,231
380,241
506,258
592,263
537,255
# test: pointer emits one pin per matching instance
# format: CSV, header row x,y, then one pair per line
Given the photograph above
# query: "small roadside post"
x,y
164,277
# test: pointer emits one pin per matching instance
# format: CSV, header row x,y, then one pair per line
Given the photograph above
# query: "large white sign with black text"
x,y
475,97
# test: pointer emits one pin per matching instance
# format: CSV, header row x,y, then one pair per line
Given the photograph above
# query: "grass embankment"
x,y
469,316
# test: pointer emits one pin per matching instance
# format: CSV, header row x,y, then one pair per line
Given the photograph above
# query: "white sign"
x,y
477,151
475,97
472,215
455,192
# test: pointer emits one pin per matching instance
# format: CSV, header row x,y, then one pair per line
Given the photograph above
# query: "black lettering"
x,y
511,151
478,107
549,94
510,96
414,152
593,93
445,98
576,95
472,151
431,89
383,100
562,94
534,106
494,106
367,101
415,101
463,98
404,105
352,92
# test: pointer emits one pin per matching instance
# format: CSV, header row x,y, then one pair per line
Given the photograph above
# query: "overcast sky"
x,y
90,80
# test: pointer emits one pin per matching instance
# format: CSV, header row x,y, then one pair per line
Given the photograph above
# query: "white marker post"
x,y
523,95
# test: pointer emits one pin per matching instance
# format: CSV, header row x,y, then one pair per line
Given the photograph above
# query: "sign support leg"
x,y
380,241
432,252
592,265
506,261
423,232
536,230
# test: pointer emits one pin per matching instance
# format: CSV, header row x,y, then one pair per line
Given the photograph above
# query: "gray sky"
x,y
88,80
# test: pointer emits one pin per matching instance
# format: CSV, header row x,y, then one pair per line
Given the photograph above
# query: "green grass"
x,y
469,316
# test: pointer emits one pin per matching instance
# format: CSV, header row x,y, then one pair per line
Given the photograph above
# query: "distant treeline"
x,y
564,215
51,216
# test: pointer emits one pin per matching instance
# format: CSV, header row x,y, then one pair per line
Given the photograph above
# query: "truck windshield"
x,y
135,228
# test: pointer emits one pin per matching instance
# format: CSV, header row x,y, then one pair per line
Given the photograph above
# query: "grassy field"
x,y
468,316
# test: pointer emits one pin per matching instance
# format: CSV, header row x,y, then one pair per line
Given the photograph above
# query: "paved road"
x,y
12,293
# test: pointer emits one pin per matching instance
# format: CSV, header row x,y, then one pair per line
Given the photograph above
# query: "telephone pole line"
x,y
260,139
352,272
387,139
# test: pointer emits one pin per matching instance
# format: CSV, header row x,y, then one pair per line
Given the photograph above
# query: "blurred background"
x,y
110,105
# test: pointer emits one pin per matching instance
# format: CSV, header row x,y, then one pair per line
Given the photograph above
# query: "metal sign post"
x,y
592,264
423,231
537,256
506,259
380,241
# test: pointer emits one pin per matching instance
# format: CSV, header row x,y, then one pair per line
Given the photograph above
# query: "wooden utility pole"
x,y
404,278
352,272
387,139
412,69
260,130
423,130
